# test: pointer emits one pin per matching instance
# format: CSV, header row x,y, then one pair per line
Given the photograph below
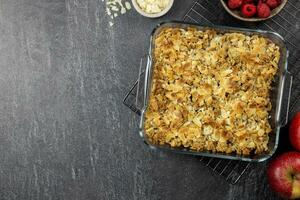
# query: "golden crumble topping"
x,y
210,91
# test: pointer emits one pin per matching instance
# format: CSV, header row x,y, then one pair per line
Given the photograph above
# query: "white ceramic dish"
x,y
152,15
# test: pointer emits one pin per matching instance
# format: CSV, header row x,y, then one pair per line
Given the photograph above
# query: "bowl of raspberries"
x,y
253,10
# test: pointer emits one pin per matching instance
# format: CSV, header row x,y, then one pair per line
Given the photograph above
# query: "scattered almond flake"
x,y
115,8
127,5
108,11
123,10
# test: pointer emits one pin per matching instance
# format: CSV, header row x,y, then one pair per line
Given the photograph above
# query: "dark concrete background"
x,y
64,132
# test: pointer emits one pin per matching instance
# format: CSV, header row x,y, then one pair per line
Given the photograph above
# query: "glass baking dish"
x,y
278,114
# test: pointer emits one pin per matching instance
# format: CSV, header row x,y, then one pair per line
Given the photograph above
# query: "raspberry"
x,y
248,10
278,2
233,4
263,10
272,3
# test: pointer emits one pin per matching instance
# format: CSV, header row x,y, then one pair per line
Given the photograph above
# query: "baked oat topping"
x,y
210,91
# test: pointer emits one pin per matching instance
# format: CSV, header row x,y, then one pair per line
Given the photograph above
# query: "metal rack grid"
x,y
286,23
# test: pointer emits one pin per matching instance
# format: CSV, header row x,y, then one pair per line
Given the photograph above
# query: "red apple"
x,y
284,175
294,132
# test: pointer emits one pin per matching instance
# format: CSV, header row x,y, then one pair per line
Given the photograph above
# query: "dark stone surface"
x,y
64,132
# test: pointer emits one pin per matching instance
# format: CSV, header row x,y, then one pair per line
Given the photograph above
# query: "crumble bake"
x,y
210,91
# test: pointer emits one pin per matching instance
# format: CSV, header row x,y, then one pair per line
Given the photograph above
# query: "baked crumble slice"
x,y
211,91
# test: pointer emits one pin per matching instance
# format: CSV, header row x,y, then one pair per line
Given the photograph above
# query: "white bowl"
x,y
152,15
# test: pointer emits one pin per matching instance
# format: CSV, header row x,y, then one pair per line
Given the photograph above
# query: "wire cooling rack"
x,y
286,23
